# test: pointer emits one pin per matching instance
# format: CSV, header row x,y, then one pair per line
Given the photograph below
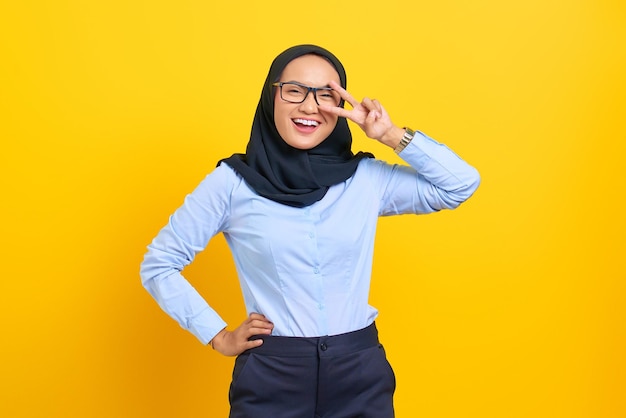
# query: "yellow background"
x,y
111,111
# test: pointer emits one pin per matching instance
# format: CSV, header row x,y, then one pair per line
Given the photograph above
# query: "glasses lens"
x,y
328,96
293,92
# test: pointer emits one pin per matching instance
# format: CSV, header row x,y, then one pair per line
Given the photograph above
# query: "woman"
x,y
299,212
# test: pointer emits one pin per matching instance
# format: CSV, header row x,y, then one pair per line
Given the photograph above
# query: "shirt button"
x,y
311,234
316,270
323,347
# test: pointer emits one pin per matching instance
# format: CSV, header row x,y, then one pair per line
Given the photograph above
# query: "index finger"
x,y
339,111
256,316
343,93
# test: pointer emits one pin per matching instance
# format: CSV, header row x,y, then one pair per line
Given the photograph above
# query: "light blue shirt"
x,y
306,269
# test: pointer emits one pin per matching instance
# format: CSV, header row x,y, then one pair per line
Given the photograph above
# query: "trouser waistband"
x,y
334,345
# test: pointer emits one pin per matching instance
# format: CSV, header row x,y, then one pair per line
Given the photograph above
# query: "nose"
x,y
309,104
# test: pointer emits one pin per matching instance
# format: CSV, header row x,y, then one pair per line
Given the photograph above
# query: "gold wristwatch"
x,y
406,138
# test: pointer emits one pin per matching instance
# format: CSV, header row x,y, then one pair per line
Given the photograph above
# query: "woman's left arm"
x,y
436,179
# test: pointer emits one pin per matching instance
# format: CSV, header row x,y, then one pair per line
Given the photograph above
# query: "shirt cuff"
x,y
206,325
415,153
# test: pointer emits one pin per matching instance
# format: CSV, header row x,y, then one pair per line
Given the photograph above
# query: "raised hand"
x,y
369,115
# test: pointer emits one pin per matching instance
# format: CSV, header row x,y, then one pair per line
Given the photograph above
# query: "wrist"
x,y
407,137
393,136
216,340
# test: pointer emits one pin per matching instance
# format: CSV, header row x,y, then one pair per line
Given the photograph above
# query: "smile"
x,y
306,122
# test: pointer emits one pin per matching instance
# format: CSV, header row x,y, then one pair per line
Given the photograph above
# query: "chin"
x,y
304,144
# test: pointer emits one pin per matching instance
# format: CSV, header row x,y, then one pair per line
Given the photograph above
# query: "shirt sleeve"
x,y
435,179
203,214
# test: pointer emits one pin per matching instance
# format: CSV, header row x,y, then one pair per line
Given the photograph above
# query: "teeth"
x,y
306,122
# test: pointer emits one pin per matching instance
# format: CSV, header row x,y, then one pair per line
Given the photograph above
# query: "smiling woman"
x,y
299,211
303,125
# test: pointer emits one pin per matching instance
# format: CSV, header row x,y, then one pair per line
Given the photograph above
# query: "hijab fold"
x,y
285,174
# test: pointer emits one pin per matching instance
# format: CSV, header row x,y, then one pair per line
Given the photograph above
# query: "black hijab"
x,y
286,174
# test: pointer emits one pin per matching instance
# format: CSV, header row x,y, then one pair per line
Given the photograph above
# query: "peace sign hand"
x,y
369,115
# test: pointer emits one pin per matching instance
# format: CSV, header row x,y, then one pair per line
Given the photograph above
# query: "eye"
x,y
328,96
293,89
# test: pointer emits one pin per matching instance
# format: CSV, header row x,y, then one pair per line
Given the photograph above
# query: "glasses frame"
x,y
280,85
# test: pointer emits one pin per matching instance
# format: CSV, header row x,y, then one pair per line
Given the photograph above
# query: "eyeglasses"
x,y
294,92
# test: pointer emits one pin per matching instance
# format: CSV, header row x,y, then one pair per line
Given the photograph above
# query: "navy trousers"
x,y
342,376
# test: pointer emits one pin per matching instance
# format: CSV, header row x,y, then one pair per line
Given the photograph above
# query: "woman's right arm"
x,y
204,213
